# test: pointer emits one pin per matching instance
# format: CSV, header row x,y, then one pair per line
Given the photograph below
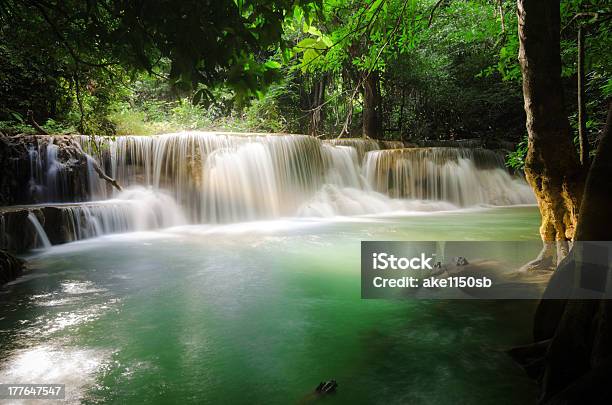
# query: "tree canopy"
x,y
393,69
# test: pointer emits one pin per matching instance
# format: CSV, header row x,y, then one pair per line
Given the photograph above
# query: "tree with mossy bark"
x,y
552,166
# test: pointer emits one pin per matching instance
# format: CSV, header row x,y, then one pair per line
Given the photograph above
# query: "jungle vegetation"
x,y
392,69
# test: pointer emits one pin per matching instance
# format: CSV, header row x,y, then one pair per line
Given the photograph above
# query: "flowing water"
x,y
260,313
226,178
40,232
241,283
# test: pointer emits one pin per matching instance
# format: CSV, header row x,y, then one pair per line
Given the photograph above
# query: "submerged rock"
x,y
327,387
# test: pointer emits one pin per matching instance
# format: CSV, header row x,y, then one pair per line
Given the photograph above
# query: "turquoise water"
x,y
260,313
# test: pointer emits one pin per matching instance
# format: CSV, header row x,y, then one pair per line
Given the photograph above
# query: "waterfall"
x,y
342,165
55,173
40,231
361,145
205,177
465,177
226,177
135,209
220,177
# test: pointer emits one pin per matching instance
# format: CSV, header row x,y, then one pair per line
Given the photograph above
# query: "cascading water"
x,y
464,177
40,231
226,177
47,178
135,209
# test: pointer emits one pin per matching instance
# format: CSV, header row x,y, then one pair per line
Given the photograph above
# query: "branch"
x,y
79,102
593,15
433,10
104,176
369,71
97,167
33,122
502,17
357,29
64,41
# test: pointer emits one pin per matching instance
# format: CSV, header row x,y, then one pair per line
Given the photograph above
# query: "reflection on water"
x,y
260,312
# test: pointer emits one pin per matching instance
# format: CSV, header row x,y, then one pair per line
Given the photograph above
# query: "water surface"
x,y
260,312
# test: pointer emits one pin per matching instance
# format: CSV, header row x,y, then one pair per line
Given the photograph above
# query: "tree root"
x,y
545,261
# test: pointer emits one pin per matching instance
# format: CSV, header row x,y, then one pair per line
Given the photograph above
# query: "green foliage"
x,y
144,116
74,60
516,158
598,58
443,69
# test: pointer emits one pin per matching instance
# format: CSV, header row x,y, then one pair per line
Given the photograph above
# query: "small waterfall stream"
x,y
40,231
203,177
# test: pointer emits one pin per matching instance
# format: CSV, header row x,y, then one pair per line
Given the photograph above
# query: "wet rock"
x,y
26,178
11,267
460,261
19,235
16,231
15,169
531,357
594,387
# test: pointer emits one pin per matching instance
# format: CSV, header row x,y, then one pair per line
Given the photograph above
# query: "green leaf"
x,y
272,64
327,41
309,56
307,43
314,31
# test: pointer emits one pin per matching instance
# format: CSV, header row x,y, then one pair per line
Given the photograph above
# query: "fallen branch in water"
x,y
104,176
97,168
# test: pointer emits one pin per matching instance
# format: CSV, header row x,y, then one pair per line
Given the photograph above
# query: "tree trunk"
x,y
552,167
317,98
595,221
582,130
580,351
372,106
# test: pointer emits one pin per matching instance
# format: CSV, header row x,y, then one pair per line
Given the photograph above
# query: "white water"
x,y
464,177
134,209
332,201
40,231
229,178
222,177
47,173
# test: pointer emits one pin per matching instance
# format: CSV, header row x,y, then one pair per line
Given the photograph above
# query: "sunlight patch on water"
x,y
49,364
80,287
49,324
